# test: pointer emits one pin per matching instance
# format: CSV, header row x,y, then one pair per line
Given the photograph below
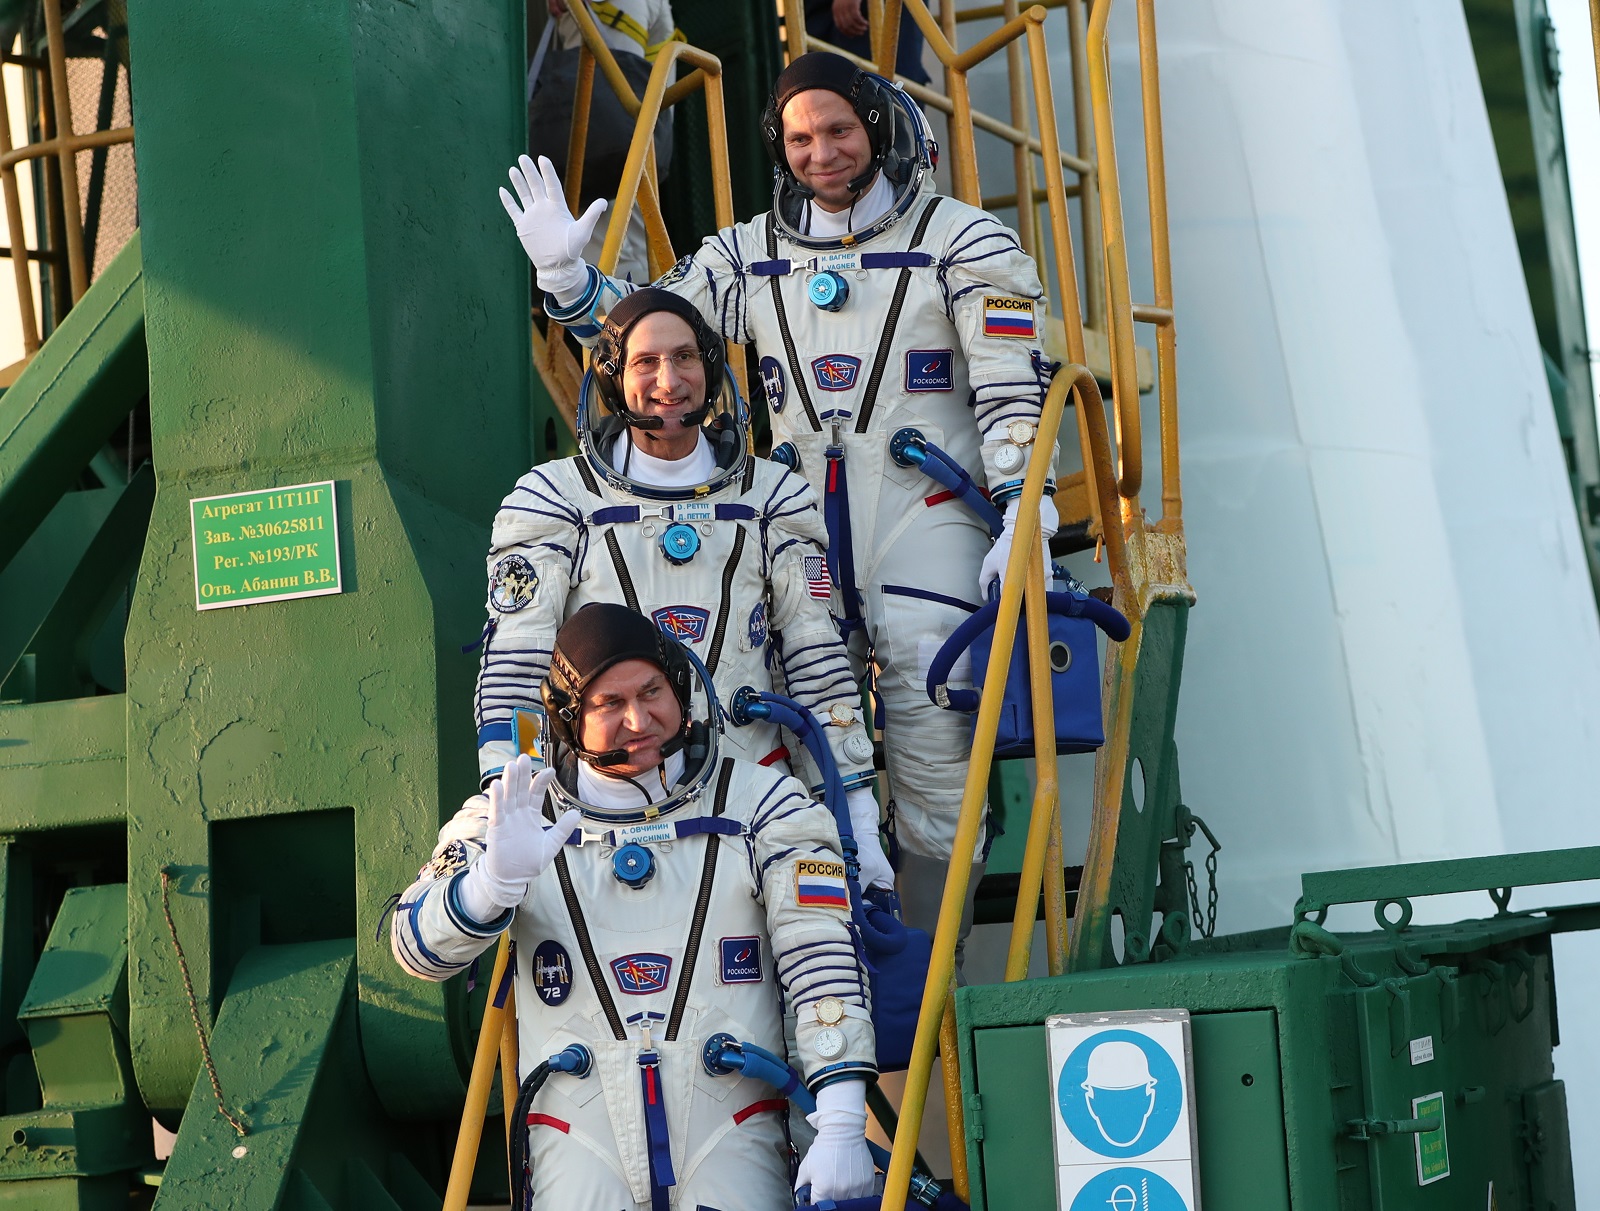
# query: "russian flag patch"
x,y
1004,316
820,883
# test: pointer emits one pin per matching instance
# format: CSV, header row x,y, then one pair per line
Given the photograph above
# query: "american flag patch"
x,y
1004,316
818,582
820,884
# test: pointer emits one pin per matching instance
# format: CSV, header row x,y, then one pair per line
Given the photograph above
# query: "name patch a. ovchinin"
x,y
930,370
552,972
641,974
820,883
741,960
511,584
1004,316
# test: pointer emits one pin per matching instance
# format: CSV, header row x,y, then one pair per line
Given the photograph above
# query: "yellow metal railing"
x,y
1145,562
59,146
1024,563
640,181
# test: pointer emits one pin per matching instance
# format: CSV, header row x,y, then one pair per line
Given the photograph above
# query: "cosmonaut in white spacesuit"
x,y
875,304
671,515
658,892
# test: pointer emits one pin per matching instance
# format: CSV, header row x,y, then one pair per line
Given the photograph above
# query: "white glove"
x,y
994,563
517,848
875,868
838,1166
551,237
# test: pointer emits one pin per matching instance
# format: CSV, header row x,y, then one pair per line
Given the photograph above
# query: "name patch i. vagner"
x,y
1006,316
820,883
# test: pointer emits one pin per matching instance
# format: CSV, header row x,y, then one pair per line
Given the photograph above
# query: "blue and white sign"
x,y
1124,1124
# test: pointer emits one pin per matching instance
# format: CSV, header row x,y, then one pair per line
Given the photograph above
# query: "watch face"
x,y
1008,458
857,747
830,1011
828,1042
842,715
1020,431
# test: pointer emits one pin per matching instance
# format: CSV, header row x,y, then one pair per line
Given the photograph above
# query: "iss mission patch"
x,y
552,972
820,883
772,382
451,858
1004,316
677,273
511,584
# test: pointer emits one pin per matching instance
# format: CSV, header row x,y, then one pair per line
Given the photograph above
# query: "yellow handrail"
x,y
1124,373
639,181
61,145
478,1087
1024,549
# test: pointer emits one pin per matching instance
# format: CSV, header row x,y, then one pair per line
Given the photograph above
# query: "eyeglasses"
x,y
649,364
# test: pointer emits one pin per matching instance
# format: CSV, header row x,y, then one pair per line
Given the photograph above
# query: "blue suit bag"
x,y
1074,661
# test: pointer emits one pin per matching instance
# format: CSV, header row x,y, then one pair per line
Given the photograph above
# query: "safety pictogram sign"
x,y
1124,1121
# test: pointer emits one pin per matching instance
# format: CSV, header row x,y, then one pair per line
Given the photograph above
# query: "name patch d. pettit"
x,y
1004,316
642,974
741,960
836,371
511,584
552,972
686,624
772,382
820,883
930,370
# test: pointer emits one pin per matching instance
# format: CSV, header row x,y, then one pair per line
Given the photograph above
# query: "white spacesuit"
x,y
907,309
723,550
703,895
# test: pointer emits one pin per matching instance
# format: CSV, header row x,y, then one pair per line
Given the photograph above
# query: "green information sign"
x,y
265,546
1433,1154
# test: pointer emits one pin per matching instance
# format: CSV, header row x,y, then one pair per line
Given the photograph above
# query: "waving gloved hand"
x,y
838,1165
994,563
518,847
875,868
551,237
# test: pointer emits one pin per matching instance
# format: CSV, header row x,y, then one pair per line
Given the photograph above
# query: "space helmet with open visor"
x,y
603,414
596,638
903,147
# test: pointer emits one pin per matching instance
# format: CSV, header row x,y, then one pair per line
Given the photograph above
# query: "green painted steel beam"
x,y
274,1042
85,379
333,294
1150,797
1320,889
63,764
110,559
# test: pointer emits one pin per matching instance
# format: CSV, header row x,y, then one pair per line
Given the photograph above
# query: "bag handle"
x,y
1065,605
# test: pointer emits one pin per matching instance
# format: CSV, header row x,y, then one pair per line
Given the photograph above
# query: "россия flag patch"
x,y
820,883
1005,316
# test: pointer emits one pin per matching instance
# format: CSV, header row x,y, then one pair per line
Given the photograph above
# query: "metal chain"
x,y
1205,923
194,1007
